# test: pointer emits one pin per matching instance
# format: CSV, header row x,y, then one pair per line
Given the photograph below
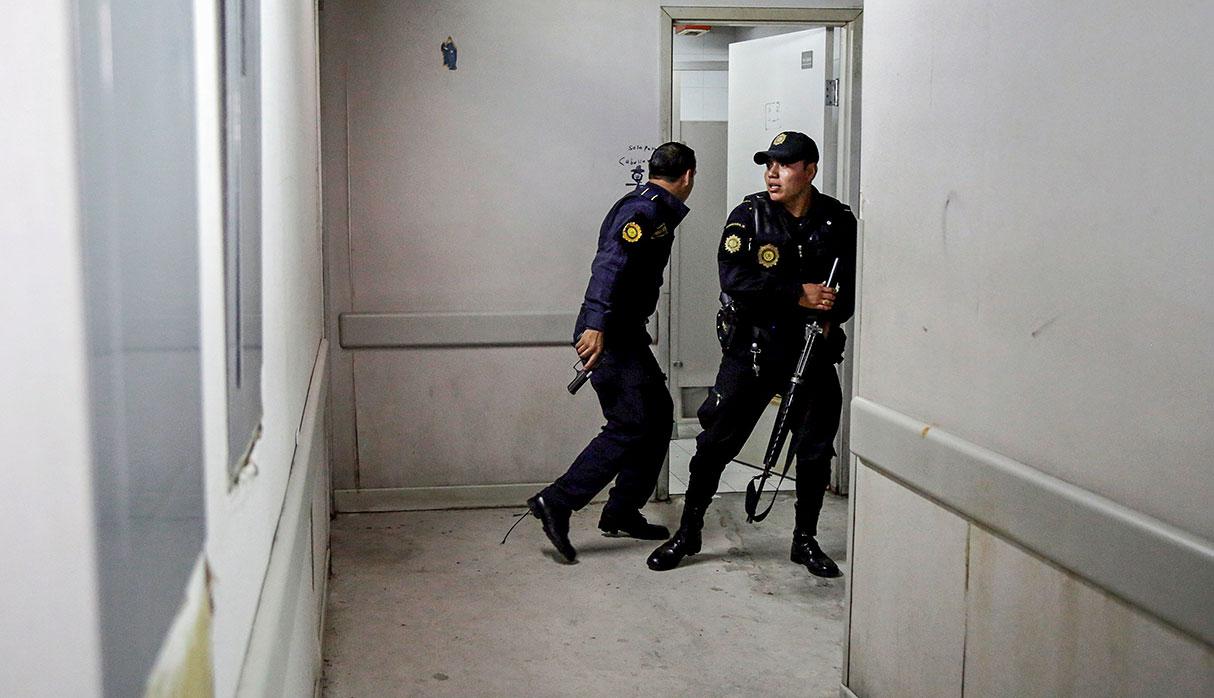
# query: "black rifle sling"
x,y
754,494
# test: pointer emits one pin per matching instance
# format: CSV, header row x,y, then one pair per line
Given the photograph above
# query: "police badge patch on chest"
x,y
632,232
769,256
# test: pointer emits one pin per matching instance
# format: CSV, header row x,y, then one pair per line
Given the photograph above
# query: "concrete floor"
x,y
429,604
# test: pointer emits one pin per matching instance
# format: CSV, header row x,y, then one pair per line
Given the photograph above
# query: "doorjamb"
x,y
849,167
848,183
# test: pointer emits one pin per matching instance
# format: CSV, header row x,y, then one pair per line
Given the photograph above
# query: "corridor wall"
x,y
50,644
267,535
252,621
1034,396
461,214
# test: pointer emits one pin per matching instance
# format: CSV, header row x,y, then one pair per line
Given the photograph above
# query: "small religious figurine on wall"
x,y
448,49
638,173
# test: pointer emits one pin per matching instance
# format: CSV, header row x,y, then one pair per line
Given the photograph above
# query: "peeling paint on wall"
x,y
183,668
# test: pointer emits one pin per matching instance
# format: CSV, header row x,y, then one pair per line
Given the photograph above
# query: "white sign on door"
x,y
773,116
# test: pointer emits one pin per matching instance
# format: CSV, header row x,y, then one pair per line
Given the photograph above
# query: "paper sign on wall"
x,y
773,116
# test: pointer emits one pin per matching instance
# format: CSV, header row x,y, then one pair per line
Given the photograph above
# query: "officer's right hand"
x,y
817,297
589,347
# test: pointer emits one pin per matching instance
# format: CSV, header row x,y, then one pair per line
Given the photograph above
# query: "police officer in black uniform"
x,y
611,339
776,251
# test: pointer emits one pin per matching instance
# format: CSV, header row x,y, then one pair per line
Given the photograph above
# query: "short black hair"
x,y
671,160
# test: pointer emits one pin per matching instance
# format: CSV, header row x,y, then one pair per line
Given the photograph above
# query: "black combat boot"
x,y
555,520
806,551
686,541
632,524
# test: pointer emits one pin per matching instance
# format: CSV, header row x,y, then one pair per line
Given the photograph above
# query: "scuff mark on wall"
x,y
948,202
1045,325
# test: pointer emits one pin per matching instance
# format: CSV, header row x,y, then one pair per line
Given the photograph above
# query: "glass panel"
x,y
240,56
135,71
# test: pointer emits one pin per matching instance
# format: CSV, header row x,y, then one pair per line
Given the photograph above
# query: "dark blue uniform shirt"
x,y
766,254
626,275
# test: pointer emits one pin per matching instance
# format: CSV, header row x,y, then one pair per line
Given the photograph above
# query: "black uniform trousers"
x,y
632,445
736,403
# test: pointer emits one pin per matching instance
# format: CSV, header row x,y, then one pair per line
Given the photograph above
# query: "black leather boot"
x,y
555,520
686,541
806,551
632,524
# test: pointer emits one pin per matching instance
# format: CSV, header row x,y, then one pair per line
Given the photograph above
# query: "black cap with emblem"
x,y
789,146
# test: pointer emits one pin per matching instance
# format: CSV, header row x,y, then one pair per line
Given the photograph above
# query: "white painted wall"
x,y
710,46
1037,280
1039,249
49,643
242,521
703,95
703,91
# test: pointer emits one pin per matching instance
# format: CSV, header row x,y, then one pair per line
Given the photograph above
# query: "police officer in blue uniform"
x,y
611,339
776,250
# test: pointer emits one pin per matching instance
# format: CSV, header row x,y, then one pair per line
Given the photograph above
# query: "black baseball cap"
x,y
789,146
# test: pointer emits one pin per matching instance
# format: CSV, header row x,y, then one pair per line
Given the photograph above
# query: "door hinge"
x,y
832,93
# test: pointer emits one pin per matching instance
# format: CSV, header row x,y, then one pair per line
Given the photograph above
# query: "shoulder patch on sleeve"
x,y
769,256
631,232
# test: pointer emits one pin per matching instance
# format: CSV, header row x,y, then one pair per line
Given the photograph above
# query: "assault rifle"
x,y
789,413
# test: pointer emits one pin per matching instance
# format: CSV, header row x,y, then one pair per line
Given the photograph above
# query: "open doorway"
x,y
737,78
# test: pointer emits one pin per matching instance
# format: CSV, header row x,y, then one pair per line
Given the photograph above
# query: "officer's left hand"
x,y
817,297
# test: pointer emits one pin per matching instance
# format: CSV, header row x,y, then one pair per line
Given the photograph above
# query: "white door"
x,y
776,84
694,350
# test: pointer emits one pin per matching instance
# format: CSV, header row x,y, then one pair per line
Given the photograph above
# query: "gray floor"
x,y
429,604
